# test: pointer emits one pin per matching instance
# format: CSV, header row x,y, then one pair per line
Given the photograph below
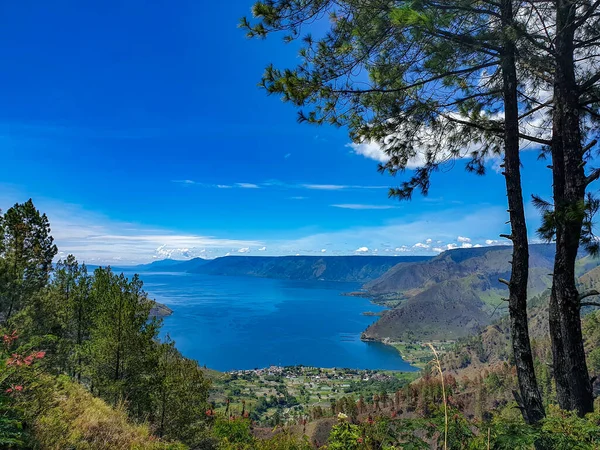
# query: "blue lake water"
x,y
231,323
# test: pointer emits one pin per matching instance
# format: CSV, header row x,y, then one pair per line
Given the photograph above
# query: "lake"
x,y
229,323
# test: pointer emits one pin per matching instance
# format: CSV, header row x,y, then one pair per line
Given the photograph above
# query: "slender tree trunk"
x,y
574,389
13,293
529,398
79,336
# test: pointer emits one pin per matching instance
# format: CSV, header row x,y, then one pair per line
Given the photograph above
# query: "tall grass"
x,y
438,365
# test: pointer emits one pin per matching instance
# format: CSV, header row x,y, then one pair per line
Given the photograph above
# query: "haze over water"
x,y
229,323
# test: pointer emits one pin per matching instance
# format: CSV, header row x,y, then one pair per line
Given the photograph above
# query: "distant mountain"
x,y
169,265
329,268
452,295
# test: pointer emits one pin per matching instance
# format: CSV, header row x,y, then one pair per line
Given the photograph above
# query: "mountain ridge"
x,y
350,268
453,295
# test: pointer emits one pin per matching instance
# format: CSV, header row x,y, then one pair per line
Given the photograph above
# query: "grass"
x,y
418,354
77,420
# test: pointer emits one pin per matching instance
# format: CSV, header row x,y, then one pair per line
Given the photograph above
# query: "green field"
x,y
278,394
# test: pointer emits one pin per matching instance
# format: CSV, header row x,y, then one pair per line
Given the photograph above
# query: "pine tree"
x,y
180,397
122,352
27,250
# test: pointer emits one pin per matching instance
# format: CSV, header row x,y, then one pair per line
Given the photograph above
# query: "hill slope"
x,y
452,295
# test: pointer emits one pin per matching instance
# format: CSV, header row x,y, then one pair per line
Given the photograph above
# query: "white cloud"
x,y
244,250
420,245
325,187
451,246
184,181
477,246
463,239
262,249
369,150
336,187
439,225
279,185
437,249
361,206
466,245
96,239
323,250
432,143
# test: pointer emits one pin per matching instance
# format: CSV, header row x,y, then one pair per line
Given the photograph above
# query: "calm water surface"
x,y
231,323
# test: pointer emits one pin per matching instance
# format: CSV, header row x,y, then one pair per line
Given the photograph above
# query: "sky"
x,y
139,129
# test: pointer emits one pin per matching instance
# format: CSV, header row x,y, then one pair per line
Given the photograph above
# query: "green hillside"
x,y
453,295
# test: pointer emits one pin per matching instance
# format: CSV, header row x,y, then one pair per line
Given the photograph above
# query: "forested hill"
x,y
328,268
455,294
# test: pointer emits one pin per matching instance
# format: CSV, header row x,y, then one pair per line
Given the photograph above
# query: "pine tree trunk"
x,y
529,398
574,389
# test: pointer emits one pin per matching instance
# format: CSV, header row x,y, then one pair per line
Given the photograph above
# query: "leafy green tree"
x,y
27,250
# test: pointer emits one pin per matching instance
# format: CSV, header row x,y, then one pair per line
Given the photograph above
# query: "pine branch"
x,y
418,83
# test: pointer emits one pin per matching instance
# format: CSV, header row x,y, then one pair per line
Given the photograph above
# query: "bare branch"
x,y
588,294
582,304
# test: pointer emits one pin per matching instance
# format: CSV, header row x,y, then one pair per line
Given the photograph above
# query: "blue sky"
x,y
139,128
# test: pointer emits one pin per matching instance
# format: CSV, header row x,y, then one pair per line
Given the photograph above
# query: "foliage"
x,y
75,419
283,441
180,398
233,434
345,436
26,254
